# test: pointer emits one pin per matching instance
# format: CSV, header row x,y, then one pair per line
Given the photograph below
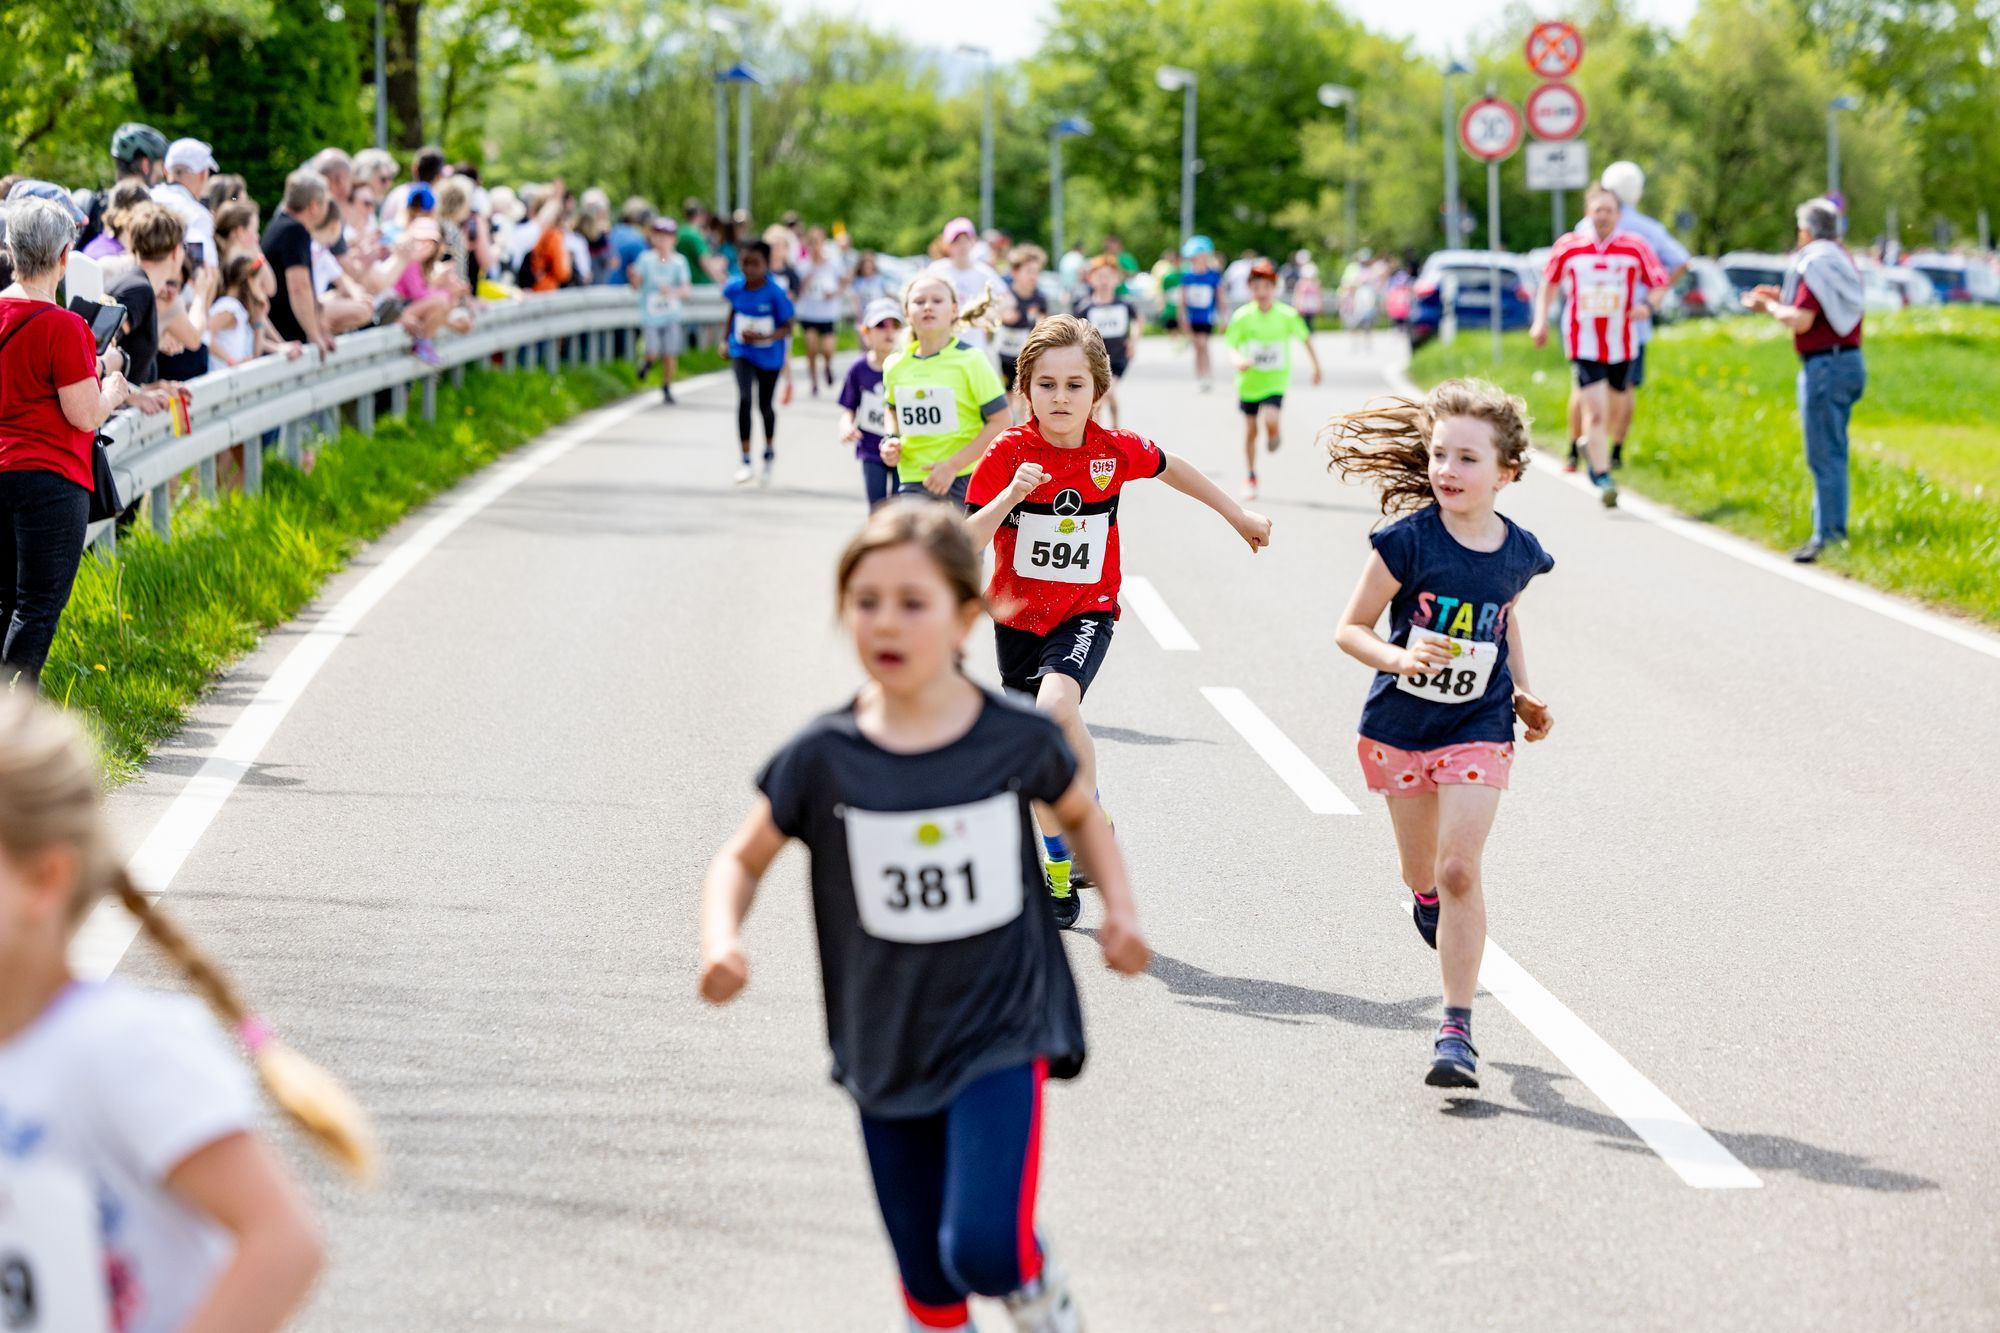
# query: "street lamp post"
x,y
381,79
1061,130
1833,110
985,140
1173,78
726,23
1452,233
1336,95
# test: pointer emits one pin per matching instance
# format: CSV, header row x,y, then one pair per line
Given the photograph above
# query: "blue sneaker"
x,y
1424,911
1454,1062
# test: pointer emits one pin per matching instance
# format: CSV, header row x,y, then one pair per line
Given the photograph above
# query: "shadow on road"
x,y
1541,1099
1281,1002
1127,736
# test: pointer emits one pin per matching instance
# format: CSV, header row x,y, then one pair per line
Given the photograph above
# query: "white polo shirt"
x,y
197,223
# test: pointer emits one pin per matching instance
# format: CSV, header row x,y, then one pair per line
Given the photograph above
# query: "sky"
x,y
1435,24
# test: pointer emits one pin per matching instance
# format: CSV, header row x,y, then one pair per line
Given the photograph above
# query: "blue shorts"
x,y
955,495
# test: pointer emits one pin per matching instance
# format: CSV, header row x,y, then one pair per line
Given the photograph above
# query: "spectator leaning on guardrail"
x,y
1822,303
288,248
154,238
53,398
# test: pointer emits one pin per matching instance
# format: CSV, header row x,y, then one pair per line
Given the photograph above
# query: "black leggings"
x,y
766,382
43,518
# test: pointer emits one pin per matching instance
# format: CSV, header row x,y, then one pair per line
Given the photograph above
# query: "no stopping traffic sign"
x,y
1490,129
1554,50
1555,111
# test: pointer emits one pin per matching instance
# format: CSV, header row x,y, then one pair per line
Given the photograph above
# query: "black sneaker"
x,y
1425,914
1808,554
1617,456
667,393
1068,904
1454,1062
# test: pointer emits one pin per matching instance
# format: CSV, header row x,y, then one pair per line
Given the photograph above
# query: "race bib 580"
x,y
927,409
1463,680
925,876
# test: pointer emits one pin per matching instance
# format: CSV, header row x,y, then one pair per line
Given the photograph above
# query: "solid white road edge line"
x,y
1143,600
109,930
1286,759
1669,1131
1702,534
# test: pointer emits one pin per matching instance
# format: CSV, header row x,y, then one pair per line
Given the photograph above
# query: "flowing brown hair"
x,y
49,797
1389,441
979,315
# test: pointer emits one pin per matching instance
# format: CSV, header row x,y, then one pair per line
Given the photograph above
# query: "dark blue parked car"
x,y
1467,274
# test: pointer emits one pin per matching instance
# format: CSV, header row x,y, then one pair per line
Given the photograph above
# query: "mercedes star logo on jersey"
x,y
1069,502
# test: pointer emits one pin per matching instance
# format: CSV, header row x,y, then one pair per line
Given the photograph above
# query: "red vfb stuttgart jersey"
x,y
1600,281
1056,556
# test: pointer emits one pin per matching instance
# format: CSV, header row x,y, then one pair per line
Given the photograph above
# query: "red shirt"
x,y
1600,281
1056,556
1820,335
54,350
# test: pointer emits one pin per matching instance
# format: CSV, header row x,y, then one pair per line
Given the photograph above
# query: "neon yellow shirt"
x,y
939,404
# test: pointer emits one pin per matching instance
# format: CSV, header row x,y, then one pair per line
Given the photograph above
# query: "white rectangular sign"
x,y
1558,166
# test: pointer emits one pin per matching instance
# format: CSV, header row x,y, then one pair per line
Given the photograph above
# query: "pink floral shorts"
x,y
1393,772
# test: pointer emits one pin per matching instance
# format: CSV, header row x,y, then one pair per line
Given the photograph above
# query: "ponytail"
x,y
313,1098
979,315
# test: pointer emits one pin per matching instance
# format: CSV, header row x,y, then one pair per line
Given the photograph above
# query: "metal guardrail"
x,y
311,395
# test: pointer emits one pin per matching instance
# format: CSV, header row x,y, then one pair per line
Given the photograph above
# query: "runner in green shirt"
x,y
1260,336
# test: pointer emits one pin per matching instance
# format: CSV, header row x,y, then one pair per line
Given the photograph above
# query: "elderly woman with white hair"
x,y
52,401
1821,303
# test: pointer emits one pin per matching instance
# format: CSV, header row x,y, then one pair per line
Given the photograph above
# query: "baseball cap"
x,y
190,155
880,311
421,196
1197,245
1262,269
49,190
664,224
958,227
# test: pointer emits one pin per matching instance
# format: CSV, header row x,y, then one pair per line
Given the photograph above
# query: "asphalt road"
x,y
1755,858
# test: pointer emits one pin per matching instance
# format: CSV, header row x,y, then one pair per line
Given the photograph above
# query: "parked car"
x,y
1468,276
1751,268
1878,293
1958,278
1702,291
1916,289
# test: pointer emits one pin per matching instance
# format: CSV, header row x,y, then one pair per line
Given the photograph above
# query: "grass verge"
x,y
145,633
1717,436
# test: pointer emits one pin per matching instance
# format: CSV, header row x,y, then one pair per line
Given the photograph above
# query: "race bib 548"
x,y
52,1275
1462,680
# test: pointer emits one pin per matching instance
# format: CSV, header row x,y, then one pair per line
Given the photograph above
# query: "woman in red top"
x,y
1046,495
51,403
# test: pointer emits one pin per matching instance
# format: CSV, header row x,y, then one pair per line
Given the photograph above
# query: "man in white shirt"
x,y
189,164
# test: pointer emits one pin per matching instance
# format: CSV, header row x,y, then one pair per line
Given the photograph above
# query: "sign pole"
x,y
1493,246
1556,216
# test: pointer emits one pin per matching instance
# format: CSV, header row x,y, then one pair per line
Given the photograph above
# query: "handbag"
x,y
104,484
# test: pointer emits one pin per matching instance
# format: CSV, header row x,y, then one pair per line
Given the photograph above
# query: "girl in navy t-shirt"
x,y
949,999
1437,732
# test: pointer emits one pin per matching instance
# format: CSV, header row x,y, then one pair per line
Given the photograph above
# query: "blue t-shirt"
x,y
1452,590
863,380
768,302
1200,311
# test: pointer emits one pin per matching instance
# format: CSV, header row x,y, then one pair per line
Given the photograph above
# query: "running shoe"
x,y
1575,452
1063,896
764,477
1607,490
1425,914
667,393
1205,386
645,369
745,475
1271,445
1617,456
1454,1062
1045,1305
1250,489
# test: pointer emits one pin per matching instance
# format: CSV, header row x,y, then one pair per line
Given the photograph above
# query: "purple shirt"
x,y
103,246
863,380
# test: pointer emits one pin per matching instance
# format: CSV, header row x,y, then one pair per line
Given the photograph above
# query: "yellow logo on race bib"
x,y
1068,525
929,834
1102,470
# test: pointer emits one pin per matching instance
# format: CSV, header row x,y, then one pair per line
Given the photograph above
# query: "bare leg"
x,y
1061,698
1621,413
1269,416
1416,822
1596,424
1464,818
1250,443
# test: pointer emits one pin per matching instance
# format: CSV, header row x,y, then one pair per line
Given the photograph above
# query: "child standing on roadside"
x,y
864,411
949,1000
136,1192
1437,731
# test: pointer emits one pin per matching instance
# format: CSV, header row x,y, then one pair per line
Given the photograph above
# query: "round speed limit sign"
x,y
1490,129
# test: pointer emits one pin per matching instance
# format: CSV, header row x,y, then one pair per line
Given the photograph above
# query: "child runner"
x,y
1437,732
1028,307
864,417
760,334
822,278
1260,335
948,403
1200,281
1116,321
663,279
136,1190
1046,495
948,996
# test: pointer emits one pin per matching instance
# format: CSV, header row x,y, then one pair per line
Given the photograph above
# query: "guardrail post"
x,y
431,396
293,442
206,469
549,353
364,414
399,399
253,465
458,376
160,501
106,544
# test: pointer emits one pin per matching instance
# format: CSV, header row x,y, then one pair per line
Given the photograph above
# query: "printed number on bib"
x,y
658,304
1602,298
927,409
873,415
1200,296
925,876
1009,342
1266,356
1463,680
52,1272
756,325
1111,321
1055,549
